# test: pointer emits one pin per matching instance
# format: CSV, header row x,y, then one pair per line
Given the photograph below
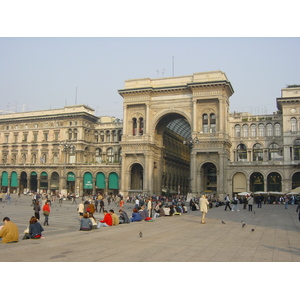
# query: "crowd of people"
x,y
145,209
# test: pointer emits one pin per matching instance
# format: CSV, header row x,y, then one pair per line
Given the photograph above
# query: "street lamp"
x,y
67,148
191,143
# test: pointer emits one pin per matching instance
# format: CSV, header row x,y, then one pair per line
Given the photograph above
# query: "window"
x,y
56,135
45,136
212,123
107,136
35,136
16,138
253,130
269,130
257,152
293,124
274,152
241,152
245,130
296,149
110,155
102,137
205,123
25,136
6,138
261,130
134,126
277,127
141,126
237,130
98,155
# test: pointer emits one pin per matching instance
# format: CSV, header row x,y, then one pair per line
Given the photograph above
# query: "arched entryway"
x,y
257,182
239,182
209,177
274,182
136,178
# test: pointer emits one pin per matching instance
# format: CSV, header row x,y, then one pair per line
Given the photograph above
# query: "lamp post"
x,y
67,147
191,143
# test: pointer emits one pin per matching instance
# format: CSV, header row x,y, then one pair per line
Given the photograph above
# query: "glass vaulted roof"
x,y
181,127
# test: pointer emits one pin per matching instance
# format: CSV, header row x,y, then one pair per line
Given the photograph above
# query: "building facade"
x,y
177,137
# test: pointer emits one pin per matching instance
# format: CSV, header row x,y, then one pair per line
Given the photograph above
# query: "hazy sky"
x,y
43,73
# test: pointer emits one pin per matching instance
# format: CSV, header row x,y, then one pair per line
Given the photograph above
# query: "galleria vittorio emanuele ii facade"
x,y
177,136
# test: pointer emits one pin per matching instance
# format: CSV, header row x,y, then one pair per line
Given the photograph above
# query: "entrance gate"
x,y
175,129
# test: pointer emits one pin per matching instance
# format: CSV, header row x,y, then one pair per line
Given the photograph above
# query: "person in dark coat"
x,y
123,217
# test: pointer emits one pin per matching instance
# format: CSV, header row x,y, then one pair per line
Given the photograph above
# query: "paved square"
x,y
182,238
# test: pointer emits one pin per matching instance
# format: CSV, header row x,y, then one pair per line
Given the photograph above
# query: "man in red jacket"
x,y
107,220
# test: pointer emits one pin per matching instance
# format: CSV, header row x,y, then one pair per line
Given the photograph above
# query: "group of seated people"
x,y
88,222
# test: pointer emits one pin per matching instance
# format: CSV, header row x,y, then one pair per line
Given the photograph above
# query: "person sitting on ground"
x,y
123,218
9,231
35,228
115,219
92,218
136,216
142,212
177,210
85,223
107,220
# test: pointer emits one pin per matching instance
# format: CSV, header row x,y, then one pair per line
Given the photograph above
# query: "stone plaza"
x,y
275,237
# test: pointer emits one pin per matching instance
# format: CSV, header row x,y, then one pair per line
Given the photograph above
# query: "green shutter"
x,y
33,173
88,181
100,181
14,180
113,181
44,174
4,178
71,176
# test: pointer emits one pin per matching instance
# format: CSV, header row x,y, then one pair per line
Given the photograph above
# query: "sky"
x,y
40,73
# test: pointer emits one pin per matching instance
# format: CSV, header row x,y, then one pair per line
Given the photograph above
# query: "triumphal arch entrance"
x,y
175,134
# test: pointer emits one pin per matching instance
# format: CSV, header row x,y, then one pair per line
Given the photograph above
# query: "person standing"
x,y
8,198
9,231
46,213
298,211
149,207
203,207
235,203
227,202
250,202
259,201
80,210
101,205
37,209
1,196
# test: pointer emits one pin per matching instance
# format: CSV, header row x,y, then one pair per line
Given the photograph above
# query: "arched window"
x,y
261,130
245,130
241,152
110,155
269,129
296,148
275,153
293,124
257,152
205,123
237,130
98,155
141,126
277,128
107,136
253,130
212,123
134,126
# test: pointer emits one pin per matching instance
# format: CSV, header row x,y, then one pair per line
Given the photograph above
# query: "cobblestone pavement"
x,y
271,234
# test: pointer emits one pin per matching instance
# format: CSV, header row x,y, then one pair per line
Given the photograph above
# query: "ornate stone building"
x,y
177,136
60,150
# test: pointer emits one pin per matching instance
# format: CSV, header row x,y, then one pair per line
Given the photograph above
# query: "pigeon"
x,y
243,225
252,230
254,212
141,234
223,222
